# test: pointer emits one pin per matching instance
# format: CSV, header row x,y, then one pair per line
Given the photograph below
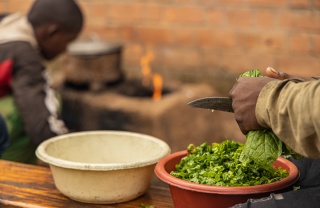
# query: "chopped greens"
x,y
219,164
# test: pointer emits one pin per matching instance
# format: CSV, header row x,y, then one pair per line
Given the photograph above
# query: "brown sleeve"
x,y
291,108
30,95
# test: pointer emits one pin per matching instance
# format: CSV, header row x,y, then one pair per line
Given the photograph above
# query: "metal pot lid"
x,y
92,48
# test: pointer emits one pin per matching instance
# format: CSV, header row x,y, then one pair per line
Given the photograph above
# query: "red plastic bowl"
x,y
190,195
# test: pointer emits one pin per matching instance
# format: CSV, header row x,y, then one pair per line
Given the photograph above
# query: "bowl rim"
x,y
226,190
44,156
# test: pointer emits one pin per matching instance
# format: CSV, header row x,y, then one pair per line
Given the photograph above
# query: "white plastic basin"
x,y
102,167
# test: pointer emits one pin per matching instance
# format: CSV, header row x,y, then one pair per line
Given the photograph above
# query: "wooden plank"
x,y
30,186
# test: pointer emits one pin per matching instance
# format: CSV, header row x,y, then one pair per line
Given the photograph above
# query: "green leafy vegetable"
x,y
263,146
288,152
252,73
219,164
146,206
296,188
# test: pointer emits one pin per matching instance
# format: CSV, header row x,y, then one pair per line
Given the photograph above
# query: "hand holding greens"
x,y
234,164
263,146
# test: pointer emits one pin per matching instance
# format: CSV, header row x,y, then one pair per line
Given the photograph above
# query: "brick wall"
x,y
204,39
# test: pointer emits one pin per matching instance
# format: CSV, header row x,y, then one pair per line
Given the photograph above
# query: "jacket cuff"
x,y
267,103
262,104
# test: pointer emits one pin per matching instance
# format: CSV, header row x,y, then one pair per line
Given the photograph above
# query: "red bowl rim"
x,y
231,190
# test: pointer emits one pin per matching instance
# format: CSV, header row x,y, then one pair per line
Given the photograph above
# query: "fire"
x,y
148,76
146,69
157,86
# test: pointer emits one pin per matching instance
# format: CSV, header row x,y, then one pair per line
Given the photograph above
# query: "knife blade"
x,y
213,103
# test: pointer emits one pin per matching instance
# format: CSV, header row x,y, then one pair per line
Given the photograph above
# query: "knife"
x,y
213,103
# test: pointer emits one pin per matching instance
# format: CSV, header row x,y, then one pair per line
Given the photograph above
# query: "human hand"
x,y
244,95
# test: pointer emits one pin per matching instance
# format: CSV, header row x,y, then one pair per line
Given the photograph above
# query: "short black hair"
x,y
3,15
66,13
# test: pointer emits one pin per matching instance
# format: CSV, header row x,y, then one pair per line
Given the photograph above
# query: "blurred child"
x,y
27,102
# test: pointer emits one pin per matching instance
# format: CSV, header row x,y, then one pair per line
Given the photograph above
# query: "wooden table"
x,y
30,186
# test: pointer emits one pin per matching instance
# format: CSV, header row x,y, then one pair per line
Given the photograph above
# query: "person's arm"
x,y
32,96
291,109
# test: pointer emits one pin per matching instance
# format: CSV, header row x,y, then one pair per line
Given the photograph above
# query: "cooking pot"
x,y
93,62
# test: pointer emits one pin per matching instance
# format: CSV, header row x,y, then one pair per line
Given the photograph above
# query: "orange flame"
x,y
148,76
157,87
145,68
